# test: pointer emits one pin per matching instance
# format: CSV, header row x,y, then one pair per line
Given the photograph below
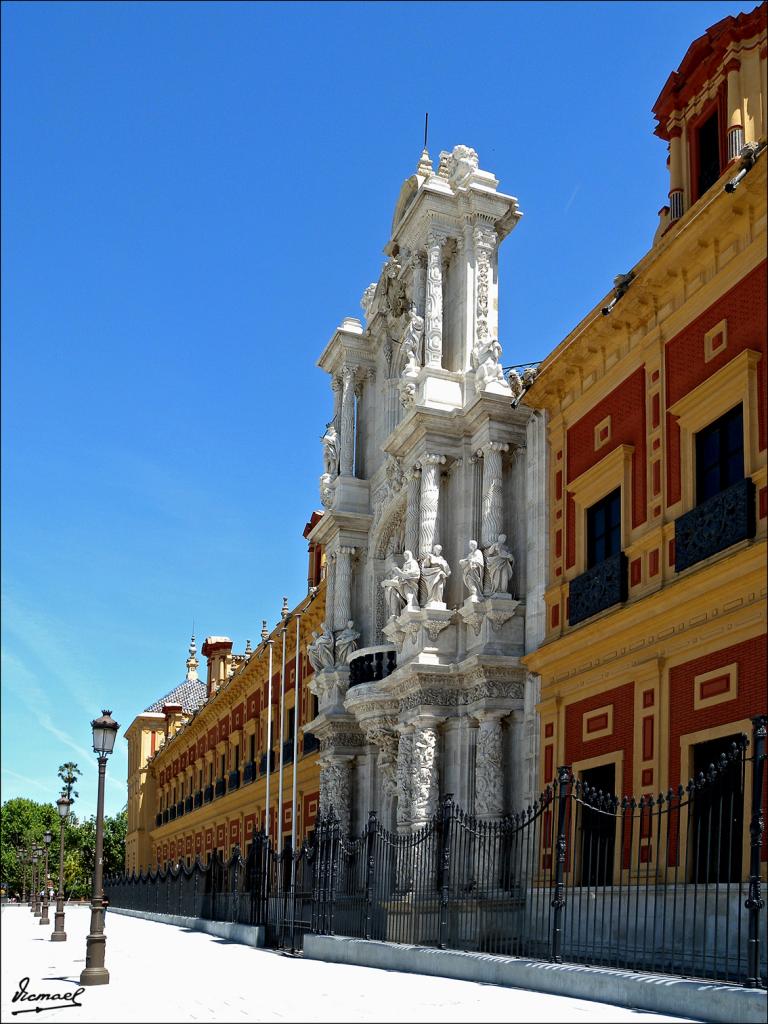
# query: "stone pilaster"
x,y
342,596
484,239
434,310
735,120
412,511
335,788
675,174
347,431
489,774
430,494
493,505
336,388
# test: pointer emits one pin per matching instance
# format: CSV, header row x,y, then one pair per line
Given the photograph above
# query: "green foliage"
x,y
69,774
23,822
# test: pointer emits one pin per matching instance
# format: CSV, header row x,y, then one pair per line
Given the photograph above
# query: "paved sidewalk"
x,y
161,972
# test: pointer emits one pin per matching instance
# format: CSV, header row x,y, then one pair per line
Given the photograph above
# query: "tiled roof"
x,y
190,694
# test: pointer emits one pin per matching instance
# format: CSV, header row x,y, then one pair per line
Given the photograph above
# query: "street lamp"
x,y
33,883
94,972
37,859
47,839
58,934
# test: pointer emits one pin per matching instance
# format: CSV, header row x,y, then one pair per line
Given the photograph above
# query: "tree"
x,y
69,774
22,823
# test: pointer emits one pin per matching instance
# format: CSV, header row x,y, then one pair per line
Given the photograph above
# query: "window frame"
x,y
609,505
718,427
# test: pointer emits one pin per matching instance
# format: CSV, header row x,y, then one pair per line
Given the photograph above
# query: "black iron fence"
x,y
669,884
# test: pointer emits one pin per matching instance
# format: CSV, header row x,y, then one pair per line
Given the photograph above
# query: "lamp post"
x,y
31,862
36,859
95,973
58,934
47,839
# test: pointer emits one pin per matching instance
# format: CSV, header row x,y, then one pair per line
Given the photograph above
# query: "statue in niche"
x,y
330,441
396,291
472,568
499,565
320,650
434,572
412,340
346,643
403,586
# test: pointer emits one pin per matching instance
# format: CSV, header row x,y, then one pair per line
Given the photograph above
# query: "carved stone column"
x,y
430,494
404,778
330,591
493,504
489,774
484,238
336,388
335,788
342,596
347,431
426,789
412,511
434,311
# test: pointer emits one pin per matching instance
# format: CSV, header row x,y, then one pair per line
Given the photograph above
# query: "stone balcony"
x,y
369,664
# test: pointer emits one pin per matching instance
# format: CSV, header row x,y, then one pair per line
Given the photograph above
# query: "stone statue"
x,y
472,570
346,643
330,441
412,340
499,562
485,361
402,587
320,650
529,376
434,572
515,384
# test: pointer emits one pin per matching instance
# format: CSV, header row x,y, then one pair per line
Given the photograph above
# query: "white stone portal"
x,y
425,532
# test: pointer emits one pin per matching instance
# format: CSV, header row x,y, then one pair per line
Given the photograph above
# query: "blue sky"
x,y
194,195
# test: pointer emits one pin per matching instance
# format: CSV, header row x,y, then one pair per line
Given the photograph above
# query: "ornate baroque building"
x,y
199,758
431,484
653,659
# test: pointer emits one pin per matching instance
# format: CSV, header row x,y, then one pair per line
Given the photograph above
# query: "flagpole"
x,y
267,639
279,826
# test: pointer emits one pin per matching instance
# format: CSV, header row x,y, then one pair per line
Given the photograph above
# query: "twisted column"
x,y
430,495
342,597
434,310
412,511
347,441
493,505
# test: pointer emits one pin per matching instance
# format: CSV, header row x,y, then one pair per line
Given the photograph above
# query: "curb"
x,y
680,997
245,934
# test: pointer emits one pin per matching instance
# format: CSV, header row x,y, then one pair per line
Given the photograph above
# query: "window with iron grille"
x,y
604,528
720,455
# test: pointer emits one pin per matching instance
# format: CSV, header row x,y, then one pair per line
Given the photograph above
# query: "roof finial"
x,y
425,168
192,661
248,648
264,631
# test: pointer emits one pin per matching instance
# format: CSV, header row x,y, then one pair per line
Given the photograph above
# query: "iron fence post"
x,y
558,900
445,865
370,838
754,902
